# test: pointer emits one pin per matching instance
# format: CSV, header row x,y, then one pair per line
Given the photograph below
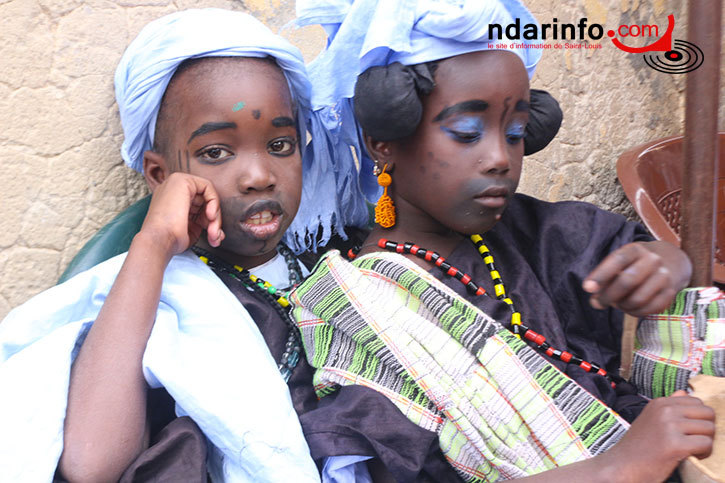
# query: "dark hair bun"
x,y
545,118
387,99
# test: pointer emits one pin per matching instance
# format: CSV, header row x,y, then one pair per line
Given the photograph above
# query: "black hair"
x,y
387,99
388,104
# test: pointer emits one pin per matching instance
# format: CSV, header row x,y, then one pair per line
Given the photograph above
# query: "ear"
x,y
381,151
155,169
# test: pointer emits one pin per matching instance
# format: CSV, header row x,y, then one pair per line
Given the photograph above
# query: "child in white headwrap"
x,y
215,108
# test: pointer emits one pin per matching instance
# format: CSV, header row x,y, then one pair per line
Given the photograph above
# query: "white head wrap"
x,y
151,60
368,33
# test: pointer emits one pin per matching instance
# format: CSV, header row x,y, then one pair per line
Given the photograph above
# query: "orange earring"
x,y
384,209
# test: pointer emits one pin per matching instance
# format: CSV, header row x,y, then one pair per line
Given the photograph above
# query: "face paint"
x,y
283,121
461,107
256,114
515,132
238,106
464,129
208,127
214,155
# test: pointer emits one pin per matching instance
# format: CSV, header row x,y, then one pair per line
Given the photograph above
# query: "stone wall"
x,y
60,133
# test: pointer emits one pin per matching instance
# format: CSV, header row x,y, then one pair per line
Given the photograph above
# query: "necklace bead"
x,y
498,286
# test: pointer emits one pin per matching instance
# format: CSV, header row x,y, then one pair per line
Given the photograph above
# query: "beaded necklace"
x,y
276,298
517,327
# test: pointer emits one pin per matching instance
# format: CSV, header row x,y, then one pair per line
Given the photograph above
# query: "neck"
x,y
233,258
416,226
442,242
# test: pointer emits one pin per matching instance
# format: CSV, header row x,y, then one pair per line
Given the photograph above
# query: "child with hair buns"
x,y
475,335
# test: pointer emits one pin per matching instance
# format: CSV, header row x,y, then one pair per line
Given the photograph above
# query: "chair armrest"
x,y
111,240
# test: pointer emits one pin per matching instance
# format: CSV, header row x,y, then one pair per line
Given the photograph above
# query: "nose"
x,y
496,157
256,174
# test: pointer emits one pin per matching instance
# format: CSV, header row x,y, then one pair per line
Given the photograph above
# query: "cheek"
x,y
517,162
291,184
431,183
222,177
444,167
414,178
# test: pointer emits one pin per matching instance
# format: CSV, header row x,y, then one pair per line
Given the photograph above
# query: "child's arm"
x,y
106,423
640,278
669,430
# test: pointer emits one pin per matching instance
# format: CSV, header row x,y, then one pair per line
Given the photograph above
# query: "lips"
x,y
262,219
493,196
494,191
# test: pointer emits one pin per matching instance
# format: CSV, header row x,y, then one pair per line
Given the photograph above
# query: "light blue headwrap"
x,y
368,33
151,60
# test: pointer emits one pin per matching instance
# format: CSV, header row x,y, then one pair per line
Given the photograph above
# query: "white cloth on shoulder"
x,y
204,349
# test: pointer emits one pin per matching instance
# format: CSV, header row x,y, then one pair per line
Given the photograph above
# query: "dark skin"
x,y
234,175
249,154
453,178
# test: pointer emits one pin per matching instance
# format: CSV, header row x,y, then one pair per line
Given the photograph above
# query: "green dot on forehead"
x,y
238,106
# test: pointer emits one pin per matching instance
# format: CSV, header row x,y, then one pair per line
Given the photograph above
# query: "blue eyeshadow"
x,y
465,129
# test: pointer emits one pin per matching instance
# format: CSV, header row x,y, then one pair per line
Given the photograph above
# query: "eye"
x,y
513,138
466,137
282,146
464,129
515,133
214,155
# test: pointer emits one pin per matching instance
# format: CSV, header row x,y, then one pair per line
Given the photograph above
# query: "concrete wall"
x,y
60,133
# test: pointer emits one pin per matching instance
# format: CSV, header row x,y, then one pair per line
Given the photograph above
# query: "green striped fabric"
x,y
685,340
500,410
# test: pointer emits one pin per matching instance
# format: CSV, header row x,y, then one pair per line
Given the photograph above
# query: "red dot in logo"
x,y
673,55
610,33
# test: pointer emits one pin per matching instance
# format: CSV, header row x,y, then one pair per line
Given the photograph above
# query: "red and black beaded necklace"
x,y
500,291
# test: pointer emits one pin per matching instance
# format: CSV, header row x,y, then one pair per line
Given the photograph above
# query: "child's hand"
x,y
640,278
669,430
181,208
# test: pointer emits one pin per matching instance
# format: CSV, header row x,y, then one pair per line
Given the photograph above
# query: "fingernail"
x,y
590,286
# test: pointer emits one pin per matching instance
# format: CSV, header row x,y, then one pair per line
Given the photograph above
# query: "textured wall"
x,y
611,100
60,133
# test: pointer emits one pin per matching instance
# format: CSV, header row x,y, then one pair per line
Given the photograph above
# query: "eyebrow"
x,y
283,121
208,127
465,106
